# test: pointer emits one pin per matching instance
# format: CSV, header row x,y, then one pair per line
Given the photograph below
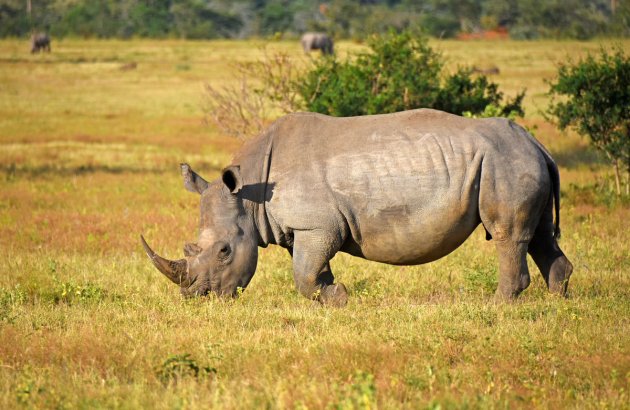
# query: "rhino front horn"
x,y
176,271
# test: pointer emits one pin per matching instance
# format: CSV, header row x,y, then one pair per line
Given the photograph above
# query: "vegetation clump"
x,y
592,96
179,366
400,72
264,88
360,393
523,19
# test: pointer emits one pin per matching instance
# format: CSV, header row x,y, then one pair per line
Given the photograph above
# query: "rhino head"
x,y
225,256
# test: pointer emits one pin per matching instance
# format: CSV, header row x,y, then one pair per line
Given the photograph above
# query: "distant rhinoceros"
x,y
317,41
403,189
40,42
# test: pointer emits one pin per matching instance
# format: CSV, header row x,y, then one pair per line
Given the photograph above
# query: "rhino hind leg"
x,y
554,266
511,233
552,263
311,269
511,228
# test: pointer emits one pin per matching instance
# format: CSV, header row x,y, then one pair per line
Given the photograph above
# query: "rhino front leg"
x,y
311,269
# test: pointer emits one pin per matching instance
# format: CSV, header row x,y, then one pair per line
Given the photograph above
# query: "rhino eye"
x,y
223,250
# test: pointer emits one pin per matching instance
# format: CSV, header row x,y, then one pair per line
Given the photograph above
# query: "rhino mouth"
x,y
176,271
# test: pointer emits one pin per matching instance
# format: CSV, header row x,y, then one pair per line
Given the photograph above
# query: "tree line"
x,y
356,19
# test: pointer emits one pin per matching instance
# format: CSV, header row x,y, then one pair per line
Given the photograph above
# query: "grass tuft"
x,y
177,367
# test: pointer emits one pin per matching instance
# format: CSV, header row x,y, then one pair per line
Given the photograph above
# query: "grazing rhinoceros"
x,y
404,189
317,41
40,42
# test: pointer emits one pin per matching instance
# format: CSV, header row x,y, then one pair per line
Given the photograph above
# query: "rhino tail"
x,y
555,182
554,174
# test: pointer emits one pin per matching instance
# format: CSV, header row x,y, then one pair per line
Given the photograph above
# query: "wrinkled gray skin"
x,y
317,41
40,42
403,189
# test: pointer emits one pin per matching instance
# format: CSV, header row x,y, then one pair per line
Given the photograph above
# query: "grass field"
x,y
89,152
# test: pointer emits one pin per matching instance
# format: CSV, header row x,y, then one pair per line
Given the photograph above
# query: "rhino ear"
x,y
232,178
192,181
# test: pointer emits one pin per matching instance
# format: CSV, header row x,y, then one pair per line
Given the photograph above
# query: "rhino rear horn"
x,y
176,271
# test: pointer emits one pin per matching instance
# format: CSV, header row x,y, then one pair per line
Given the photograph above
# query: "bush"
x,y
593,97
462,93
265,88
177,367
400,72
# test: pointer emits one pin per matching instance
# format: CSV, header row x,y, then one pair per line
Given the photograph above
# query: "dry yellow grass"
x,y
89,156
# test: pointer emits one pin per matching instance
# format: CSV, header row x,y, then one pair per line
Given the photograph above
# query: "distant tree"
x,y
341,17
89,18
593,97
504,12
620,24
528,19
357,19
196,19
13,19
276,17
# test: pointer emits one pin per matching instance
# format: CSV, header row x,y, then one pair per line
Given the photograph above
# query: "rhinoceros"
x,y
317,41
40,42
403,189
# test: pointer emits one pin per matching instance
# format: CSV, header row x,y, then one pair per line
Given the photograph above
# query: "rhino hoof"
x,y
559,276
335,295
505,297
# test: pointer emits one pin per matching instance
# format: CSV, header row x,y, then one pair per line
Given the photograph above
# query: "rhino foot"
x,y
503,297
334,295
559,276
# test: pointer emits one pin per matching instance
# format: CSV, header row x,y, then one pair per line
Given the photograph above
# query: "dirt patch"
x,y
498,34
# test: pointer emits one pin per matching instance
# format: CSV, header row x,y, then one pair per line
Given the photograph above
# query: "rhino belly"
x,y
400,235
407,204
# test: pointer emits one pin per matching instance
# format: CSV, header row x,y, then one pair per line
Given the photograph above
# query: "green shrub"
x,y
322,86
400,72
481,279
598,193
476,96
360,394
72,293
180,366
9,300
593,97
